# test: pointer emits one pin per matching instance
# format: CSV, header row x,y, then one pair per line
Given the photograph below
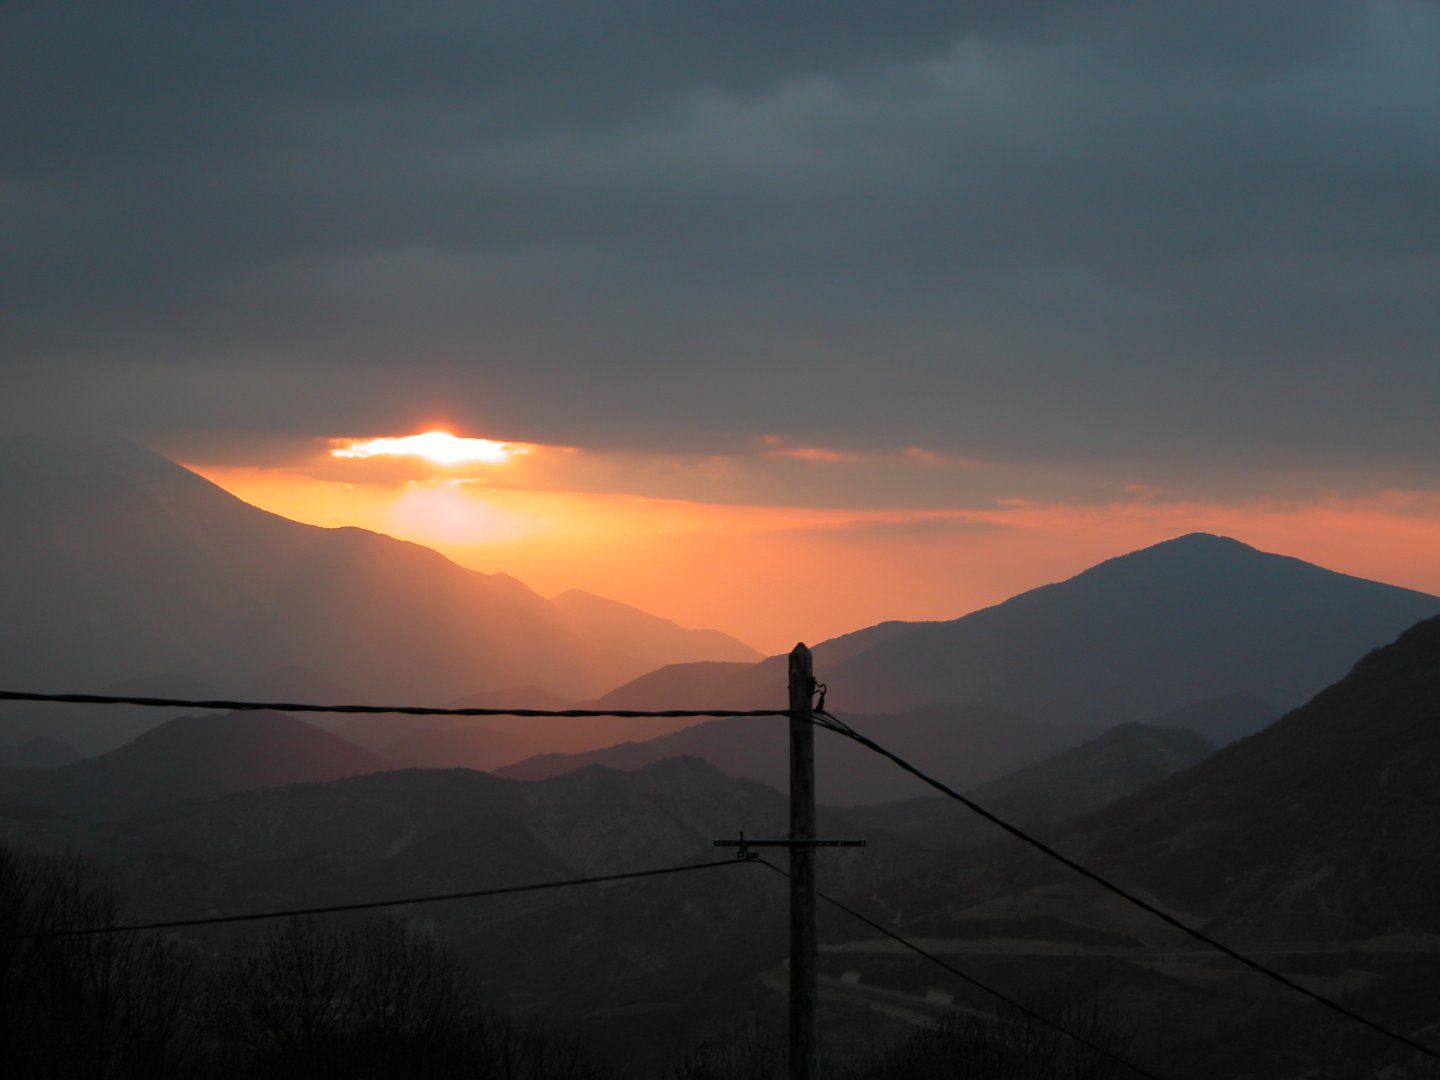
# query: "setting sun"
x,y
439,447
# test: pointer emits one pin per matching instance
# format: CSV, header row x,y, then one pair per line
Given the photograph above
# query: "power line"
x,y
1081,1039
819,717
824,719
404,710
369,905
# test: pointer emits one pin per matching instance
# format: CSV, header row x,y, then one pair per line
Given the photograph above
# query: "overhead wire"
x,y
826,720
403,710
369,905
817,716
971,980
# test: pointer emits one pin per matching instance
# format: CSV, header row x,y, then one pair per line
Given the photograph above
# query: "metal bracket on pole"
x,y
745,845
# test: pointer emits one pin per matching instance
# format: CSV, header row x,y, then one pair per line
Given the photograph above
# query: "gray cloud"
x,y
1129,234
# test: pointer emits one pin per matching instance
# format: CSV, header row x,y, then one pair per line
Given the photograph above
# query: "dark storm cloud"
x,y
1086,230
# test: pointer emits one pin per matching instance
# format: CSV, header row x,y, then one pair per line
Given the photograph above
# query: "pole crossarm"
x,y
744,844
803,842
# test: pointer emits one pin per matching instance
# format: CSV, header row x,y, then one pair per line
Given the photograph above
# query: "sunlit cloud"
x,y
774,446
437,447
814,454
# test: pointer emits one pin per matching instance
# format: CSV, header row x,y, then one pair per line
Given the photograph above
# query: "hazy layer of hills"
x,y
1123,760
966,744
125,565
1199,633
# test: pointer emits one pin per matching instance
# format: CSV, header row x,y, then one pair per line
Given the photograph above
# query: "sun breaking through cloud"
x,y
438,447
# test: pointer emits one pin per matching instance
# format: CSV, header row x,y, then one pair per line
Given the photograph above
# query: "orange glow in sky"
x,y
772,573
438,447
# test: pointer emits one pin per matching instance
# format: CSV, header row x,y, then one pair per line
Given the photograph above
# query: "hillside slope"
x,y
127,565
1326,824
1180,622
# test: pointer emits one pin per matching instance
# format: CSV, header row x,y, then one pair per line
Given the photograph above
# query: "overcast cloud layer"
x,y
1186,242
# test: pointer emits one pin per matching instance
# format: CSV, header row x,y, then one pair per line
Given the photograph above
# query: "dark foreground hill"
x,y
188,757
1311,845
1325,825
644,968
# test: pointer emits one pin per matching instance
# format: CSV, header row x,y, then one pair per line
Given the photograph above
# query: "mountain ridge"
x,y
1189,621
1254,618
135,565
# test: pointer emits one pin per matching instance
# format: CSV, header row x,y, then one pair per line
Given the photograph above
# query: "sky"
x,y
806,315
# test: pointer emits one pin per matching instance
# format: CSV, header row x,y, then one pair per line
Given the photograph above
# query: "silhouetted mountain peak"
x,y
1186,560
1192,618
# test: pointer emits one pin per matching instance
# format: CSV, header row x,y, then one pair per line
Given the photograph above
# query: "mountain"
x,y
639,633
94,730
1310,844
375,731
1181,622
1323,825
188,757
127,564
684,686
1175,625
737,685
966,744
1100,771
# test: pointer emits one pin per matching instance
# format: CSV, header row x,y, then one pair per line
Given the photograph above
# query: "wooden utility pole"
x,y
804,959
801,843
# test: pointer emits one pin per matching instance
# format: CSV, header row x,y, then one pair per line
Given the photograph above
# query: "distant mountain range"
x,y
1177,625
1200,633
123,565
